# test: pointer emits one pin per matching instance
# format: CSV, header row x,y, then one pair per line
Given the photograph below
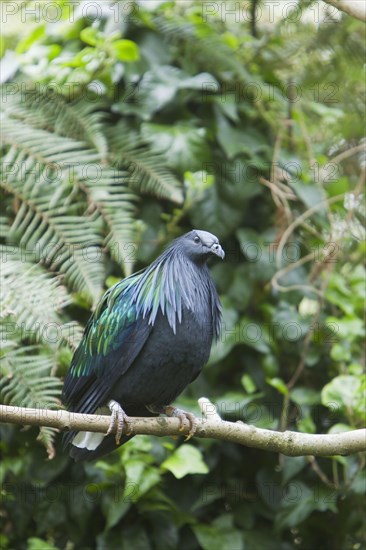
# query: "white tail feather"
x,y
87,440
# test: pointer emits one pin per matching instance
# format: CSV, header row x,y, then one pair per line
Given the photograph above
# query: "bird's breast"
x,y
168,362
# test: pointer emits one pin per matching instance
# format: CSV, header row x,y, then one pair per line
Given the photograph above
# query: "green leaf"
x,y
134,536
252,334
346,328
224,344
258,540
35,35
306,425
139,476
305,396
289,325
196,183
341,185
292,466
240,291
359,483
221,534
339,428
341,352
279,384
248,383
329,115
34,543
297,504
160,86
229,107
235,141
125,50
54,50
311,195
89,35
185,460
183,146
213,214
344,391
115,509
234,404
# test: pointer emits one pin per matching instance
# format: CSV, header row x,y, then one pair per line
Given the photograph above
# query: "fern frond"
x,y
48,148
202,45
37,157
46,437
30,296
90,121
80,120
115,203
36,171
147,173
26,378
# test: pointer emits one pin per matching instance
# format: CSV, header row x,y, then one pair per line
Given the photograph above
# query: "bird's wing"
x,y
113,338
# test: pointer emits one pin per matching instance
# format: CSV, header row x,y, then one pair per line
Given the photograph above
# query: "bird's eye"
x,y
197,240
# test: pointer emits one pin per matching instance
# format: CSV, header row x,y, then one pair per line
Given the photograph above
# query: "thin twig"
x,y
319,472
286,270
346,154
299,221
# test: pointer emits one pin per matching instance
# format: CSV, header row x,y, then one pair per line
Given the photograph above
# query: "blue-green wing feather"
x,y
121,324
113,338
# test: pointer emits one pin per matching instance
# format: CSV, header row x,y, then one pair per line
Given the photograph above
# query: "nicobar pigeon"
x,y
148,338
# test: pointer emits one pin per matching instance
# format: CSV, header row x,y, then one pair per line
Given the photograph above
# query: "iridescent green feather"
x,y
104,332
160,287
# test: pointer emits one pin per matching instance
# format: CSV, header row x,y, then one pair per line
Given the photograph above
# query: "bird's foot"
x,y
119,418
183,416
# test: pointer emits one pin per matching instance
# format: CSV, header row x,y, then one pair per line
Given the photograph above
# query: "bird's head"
x,y
199,245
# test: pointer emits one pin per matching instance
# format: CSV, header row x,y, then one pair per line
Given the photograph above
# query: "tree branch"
x,y
355,8
210,426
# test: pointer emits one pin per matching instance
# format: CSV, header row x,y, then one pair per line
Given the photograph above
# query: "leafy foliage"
x,y
25,378
139,121
147,171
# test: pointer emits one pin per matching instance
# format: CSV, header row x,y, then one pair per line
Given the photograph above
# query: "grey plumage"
x,y
148,339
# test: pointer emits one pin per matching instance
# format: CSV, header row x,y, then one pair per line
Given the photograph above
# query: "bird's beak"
x,y
217,250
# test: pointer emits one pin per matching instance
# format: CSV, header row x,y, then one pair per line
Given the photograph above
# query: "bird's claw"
x,y
118,419
183,416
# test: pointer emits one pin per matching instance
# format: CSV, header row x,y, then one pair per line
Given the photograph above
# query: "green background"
x,y
124,127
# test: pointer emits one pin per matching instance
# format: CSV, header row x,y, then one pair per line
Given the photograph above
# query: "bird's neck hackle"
x,y
169,284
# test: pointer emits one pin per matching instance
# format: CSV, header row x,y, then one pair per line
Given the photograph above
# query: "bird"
x,y
148,338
